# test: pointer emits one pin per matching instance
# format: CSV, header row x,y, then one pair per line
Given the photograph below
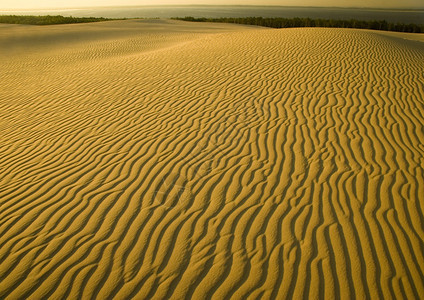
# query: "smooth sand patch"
x,y
162,159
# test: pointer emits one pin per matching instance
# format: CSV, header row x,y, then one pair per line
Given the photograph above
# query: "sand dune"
x,y
161,159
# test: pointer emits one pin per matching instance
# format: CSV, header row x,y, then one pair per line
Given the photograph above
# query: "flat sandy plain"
x,y
162,159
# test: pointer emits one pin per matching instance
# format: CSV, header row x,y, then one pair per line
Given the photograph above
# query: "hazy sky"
x,y
8,4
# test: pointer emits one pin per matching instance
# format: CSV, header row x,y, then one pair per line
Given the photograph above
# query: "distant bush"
x,y
47,20
307,22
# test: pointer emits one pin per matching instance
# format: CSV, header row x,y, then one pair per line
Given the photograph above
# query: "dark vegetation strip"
x,y
47,20
307,22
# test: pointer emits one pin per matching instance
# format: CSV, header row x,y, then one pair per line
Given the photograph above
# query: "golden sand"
x,y
163,159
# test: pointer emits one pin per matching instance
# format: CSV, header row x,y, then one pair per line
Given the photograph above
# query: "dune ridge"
x,y
213,162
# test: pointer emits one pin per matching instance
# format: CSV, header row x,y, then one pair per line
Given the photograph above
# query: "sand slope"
x,y
175,160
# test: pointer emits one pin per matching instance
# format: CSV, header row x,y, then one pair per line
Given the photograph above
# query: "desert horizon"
x,y
390,14
163,159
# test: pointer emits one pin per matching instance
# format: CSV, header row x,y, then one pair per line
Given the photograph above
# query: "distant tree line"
x,y
47,20
307,22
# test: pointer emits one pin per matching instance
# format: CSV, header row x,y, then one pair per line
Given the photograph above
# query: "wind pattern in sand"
x,y
213,161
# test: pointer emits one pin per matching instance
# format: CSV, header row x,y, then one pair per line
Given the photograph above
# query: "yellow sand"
x,y
163,159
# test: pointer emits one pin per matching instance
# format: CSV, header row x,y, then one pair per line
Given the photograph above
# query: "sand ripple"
x,y
238,163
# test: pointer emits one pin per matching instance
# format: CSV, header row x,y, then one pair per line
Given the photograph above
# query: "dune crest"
x,y
211,161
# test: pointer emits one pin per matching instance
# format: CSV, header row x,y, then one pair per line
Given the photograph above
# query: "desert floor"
x,y
160,159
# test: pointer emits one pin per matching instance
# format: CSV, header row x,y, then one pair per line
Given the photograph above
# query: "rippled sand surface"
x,y
163,159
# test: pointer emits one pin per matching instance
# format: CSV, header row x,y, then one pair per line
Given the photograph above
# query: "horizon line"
x,y
209,5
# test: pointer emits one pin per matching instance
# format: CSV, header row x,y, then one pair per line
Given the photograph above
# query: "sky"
x,y
28,4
